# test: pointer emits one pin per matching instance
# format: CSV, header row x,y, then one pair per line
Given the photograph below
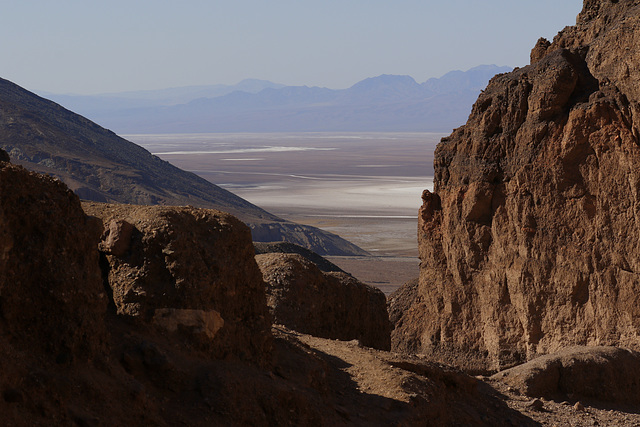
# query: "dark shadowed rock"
x,y
4,156
530,241
603,373
67,360
116,238
190,270
51,295
328,305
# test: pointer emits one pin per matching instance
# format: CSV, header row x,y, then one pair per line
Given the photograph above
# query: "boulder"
x,y
328,305
603,373
530,241
188,271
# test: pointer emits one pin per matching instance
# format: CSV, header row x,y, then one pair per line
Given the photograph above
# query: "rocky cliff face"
x,y
171,332
530,241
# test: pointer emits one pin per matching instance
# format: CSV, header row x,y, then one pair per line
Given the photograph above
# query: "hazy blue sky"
x,y
84,46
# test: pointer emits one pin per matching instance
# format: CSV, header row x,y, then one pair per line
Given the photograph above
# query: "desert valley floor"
x,y
364,187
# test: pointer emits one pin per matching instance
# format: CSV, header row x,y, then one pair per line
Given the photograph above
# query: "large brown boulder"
x,y
603,373
52,301
328,305
187,270
531,239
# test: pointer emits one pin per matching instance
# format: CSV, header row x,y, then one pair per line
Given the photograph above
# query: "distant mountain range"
x,y
96,104
387,103
101,166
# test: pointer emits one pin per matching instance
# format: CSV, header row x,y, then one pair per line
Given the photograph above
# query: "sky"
x,y
91,47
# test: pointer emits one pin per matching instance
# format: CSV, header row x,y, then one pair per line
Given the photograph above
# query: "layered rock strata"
x,y
530,240
328,305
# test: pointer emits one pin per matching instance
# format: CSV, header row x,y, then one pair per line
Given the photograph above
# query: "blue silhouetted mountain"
x,y
475,79
384,89
384,103
90,105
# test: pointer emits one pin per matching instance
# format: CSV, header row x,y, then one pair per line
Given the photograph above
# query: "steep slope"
x,y
530,242
98,165
68,358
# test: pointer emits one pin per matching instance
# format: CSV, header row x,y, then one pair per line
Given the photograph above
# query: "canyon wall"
x,y
148,315
530,241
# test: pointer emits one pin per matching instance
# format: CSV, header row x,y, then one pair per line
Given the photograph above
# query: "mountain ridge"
x,y
383,103
99,165
157,97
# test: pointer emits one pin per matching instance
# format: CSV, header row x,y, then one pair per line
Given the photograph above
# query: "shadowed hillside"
x,y
100,166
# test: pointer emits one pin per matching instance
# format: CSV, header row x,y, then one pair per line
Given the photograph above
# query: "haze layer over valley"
x,y
386,103
364,187
351,179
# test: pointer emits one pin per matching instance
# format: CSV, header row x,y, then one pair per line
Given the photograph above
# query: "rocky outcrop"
x,y
603,373
47,249
529,242
189,270
316,240
328,305
69,360
177,274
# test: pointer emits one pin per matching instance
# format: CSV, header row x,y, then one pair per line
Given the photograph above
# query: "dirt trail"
x,y
471,401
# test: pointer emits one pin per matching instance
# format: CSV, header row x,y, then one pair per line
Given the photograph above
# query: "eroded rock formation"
x,y
189,269
289,248
68,359
531,239
604,373
47,248
328,305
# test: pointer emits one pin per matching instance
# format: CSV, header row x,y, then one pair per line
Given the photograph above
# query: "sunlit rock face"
x,y
326,304
189,271
531,239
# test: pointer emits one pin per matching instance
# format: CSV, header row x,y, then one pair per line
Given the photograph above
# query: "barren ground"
x,y
377,373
